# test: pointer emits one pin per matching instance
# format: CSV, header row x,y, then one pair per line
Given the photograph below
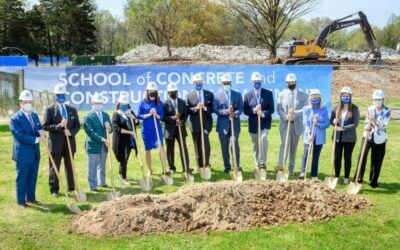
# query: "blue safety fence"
x,y
46,60
13,61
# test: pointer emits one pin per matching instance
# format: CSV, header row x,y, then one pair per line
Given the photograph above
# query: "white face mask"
x,y
27,107
378,103
226,87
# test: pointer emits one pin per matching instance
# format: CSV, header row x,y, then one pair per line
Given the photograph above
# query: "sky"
x,y
377,11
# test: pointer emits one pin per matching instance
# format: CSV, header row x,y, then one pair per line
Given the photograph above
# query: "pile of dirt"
x,y
217,206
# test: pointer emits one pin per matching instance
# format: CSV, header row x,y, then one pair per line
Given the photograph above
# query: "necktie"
x,y
291,101
31,121
175,104
258,97
63,112
99,114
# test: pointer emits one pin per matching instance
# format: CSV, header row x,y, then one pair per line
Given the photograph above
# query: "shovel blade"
x,y
168,180
73,208
260,174
282,176
80,196
331,182
146,184
205,173
188,177
113,196
353,188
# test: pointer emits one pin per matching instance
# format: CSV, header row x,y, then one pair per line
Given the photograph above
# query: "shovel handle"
x,y
233,145
182,147
202,139
138,147
310,148
72,163
110,161
259,141
160,148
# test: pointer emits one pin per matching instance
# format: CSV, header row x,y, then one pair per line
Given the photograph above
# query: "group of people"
x,y
300,115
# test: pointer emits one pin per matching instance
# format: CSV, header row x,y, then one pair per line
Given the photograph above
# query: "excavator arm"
x,y
342,23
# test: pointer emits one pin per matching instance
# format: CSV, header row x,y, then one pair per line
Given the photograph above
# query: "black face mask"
x,y
173,95
152,94
291,86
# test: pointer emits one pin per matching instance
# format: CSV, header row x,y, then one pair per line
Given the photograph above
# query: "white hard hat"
x,y
378,94
123,99
256,77
226,78
197,78
347,90
315,92
97,97
25,95
60,89
291,77
172,87
152,86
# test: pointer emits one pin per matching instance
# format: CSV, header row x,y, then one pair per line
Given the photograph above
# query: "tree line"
x,y
75,27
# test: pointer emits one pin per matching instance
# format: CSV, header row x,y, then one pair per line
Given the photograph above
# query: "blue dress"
x,y
148,129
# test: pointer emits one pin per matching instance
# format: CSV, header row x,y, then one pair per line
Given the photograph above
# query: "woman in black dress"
x,y
123,135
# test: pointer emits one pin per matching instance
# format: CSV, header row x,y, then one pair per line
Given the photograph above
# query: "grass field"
x,y
46,227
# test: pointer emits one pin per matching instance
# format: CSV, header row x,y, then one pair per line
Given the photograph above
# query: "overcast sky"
x,y
377,11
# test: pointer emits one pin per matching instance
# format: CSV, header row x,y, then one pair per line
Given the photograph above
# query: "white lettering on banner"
x,y
89,78
103,77
115,76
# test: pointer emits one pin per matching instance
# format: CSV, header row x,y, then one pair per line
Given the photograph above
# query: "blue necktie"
x,y
63,112
31,121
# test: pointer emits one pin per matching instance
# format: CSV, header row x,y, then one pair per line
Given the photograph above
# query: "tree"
x,y
37,33
268,20
391,32
157,19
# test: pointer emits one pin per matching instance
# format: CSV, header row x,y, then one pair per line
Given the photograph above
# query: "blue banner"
x,y
113,81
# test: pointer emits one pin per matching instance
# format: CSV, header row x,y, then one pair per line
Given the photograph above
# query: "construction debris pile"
x,y
202,52
153,53
217,206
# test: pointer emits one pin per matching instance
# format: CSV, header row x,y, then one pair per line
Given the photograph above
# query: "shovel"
x,y
187,174
205,171
355,187
259,172
236,174
71,207
167,178
310,148
332,181
281,175
113,195
79,194
146,184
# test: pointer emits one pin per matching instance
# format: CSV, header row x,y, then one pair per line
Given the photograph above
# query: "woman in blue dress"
x,y
317,115
151,107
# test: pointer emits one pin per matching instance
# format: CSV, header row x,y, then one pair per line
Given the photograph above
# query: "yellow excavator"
x,y
312,52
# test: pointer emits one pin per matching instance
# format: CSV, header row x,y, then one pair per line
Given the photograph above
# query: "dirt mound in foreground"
x,y
217,206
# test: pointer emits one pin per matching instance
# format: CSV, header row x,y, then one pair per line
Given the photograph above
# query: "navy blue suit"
x,y
26,154
222,102
267,108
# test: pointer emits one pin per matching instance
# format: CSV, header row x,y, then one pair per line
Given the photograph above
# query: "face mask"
x,y
123,107
226,87
346,100
152,95
199,86
98,107
378,103
27,107
291,86
257,85
173,95
315,102
60,98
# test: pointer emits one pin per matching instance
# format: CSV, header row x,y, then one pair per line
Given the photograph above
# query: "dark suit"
x,y
222,102
191,102
58,143
122,143
26,154
171,131
267,108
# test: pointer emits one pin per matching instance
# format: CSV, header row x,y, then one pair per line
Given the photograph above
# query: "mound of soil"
x,y
217,206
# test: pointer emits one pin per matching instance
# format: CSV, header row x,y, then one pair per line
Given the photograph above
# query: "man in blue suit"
x,y
228,104
259,102
28,132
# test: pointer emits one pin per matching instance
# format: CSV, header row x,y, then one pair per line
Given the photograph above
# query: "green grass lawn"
x,y
46,227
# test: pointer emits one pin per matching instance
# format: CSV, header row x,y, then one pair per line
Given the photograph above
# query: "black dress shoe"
x,y
226,171
374,185
105,186
95,190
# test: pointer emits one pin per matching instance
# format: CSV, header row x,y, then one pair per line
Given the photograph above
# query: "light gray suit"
x,y
287,100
